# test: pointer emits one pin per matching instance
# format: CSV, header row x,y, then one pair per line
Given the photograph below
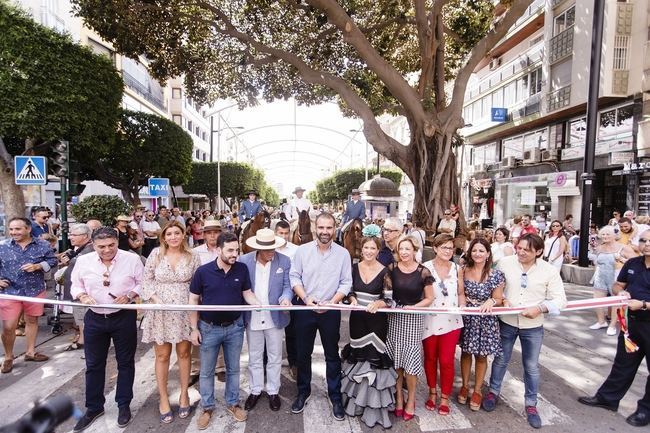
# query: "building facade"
x,y
525,111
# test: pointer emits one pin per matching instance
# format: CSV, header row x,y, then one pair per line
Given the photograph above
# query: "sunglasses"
x,y
524,280
644,241
107,281
445,292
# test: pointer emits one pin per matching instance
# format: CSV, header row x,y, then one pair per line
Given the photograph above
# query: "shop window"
x,y
565,20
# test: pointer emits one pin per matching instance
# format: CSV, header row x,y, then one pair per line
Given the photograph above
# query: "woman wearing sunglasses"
x,y
441,331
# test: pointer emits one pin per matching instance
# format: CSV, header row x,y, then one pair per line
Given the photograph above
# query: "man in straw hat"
x,y
269,274
298,204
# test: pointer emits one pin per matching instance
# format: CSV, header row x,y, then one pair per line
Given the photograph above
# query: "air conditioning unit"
x,y
509,162
480,168
532,156
495,63
549,155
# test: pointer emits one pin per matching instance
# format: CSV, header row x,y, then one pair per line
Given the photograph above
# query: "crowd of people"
x,y
375,373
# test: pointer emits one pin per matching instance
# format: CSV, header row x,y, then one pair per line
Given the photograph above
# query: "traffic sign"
x,y
159,187
499,114
30,170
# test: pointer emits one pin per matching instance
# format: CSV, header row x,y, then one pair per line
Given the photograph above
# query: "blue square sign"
x,y
30,170
159,187
499,114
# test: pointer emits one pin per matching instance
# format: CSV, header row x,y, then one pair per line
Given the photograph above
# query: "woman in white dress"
x,y
555,245
501,247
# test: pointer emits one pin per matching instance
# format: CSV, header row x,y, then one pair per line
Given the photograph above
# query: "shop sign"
x,y
499,114
528,197
621,158
635,167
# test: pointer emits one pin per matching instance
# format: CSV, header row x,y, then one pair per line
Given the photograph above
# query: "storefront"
x,y
556,194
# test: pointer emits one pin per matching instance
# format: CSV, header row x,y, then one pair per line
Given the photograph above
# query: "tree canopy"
x,y
237,179
394,56
102,207
50,88
338,186
147,145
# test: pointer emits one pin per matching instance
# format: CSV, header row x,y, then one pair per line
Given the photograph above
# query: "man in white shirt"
x,y
298,204
282,229
150,231
269,274
536,284
176,216
447,224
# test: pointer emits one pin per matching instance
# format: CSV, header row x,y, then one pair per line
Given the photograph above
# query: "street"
x,y
574,361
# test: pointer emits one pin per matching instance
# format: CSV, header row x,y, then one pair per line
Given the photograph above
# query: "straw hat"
x,y
265,239
211,225
123,218
299,188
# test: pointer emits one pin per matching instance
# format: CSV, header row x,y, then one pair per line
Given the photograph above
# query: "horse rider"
x,y
354,208
298,204
285,208
249,208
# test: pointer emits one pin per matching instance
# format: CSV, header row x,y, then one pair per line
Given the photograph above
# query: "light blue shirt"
x,y
322,274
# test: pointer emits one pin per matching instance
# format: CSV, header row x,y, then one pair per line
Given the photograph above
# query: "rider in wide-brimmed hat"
x,y
251,207
298,204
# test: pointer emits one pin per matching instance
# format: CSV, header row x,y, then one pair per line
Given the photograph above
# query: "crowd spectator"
x,y
556,246
151,230
447,224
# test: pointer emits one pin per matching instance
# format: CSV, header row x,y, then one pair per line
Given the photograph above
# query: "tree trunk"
x,y
131,195
12,194
431,166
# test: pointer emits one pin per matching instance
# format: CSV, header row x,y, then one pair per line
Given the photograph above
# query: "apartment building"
x,y
525,111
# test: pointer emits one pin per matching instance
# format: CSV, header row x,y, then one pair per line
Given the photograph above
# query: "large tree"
x,y
147,145
393,56
50,88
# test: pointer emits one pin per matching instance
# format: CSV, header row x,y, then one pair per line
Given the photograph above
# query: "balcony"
x,y
561,46
558,99
143,90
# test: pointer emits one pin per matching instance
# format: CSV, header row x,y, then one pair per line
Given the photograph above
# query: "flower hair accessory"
x,y
371,231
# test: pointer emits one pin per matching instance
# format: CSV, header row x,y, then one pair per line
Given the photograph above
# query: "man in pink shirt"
x,y
108,276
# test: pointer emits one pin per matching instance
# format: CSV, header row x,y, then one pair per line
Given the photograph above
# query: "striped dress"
x,y
404,340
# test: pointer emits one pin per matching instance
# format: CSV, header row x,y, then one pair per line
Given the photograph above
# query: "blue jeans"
x,y
212,338
531,345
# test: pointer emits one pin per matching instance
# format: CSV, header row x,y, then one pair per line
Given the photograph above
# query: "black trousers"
x,y
290,337
327,324
626,365
99,330
149,245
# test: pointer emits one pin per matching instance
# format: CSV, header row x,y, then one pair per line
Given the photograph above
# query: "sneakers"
x,y
238,413
299,403
490,402
86,420
611,330
597,325
204,419
533,417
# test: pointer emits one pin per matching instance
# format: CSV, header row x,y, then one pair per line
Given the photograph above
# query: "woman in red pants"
x,y
441,331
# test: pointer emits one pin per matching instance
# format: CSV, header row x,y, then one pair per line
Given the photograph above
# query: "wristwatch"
x,y
131,298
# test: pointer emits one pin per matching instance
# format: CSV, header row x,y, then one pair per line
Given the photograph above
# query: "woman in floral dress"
x,y
480,337
167,277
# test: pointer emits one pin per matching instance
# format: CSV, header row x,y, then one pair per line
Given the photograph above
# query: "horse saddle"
x,y
346,226
245,224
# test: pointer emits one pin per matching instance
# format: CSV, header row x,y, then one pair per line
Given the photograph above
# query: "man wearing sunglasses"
x,y
529,281
391,232
634,282
108,276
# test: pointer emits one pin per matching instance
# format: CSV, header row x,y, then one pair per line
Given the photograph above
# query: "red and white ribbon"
x,y
583,304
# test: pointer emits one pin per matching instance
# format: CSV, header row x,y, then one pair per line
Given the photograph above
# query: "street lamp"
x,y
218,131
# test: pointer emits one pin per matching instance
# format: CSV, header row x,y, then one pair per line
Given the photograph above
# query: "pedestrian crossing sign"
x,y
30,170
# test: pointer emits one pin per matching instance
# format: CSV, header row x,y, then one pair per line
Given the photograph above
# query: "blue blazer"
x,y
353,211
248,210
279,285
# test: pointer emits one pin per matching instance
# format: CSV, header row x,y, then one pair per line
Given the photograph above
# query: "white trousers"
x,y
256,341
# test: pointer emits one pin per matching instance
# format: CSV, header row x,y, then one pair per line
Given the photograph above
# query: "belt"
x,y
111,315
221,324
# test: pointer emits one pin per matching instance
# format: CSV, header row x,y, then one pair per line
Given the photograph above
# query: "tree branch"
x,y
452,34
478,53
381,142
394,81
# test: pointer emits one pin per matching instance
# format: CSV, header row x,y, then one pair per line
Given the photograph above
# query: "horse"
x,y
260,221
352,238
303,234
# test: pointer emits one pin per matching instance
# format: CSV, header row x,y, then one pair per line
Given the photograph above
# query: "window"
x,y
510,94
514,147
190,126
197,131
178,119
616,123
197,153
101,49
176,93
565,20
621,50
577,132
537,139
203,136
189,101
535,82
485,154
205,156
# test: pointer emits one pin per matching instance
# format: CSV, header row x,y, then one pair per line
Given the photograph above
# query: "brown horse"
x,y
352,238
260,221
303,234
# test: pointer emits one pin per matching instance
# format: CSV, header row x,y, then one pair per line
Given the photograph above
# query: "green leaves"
x,y
338,186
102,207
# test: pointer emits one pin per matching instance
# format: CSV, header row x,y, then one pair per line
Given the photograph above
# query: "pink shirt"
x,y
125,275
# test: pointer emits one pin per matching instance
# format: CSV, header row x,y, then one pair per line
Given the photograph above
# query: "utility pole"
x,y
588,176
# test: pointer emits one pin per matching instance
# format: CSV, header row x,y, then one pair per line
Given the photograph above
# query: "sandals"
x,y
430,404
74,346
462,395
443,409
167,418
184,412
475,402
36,357
7,366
